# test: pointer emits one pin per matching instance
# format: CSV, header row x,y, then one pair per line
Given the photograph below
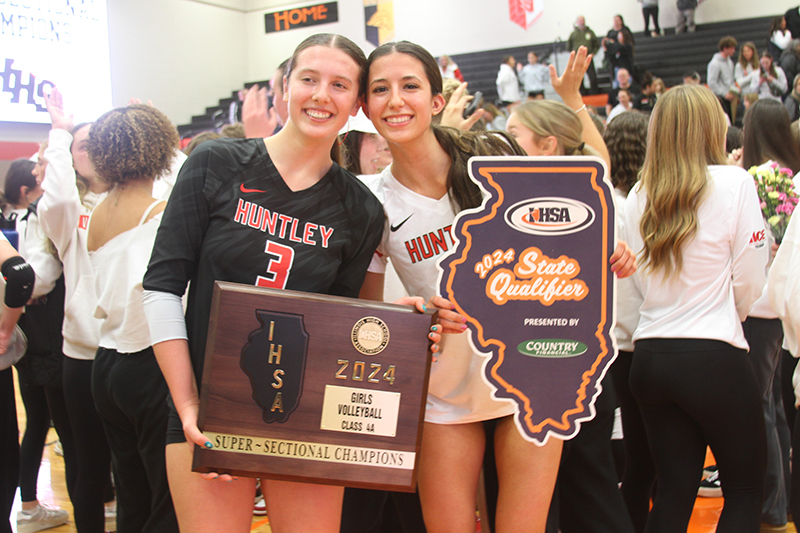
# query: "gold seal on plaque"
x,y
370,335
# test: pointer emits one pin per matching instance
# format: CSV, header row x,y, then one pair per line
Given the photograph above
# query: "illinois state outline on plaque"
x,y
530,272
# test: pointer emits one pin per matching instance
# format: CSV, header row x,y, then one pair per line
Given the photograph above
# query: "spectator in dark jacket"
x,y
792,17
583,35
790,60
619,52
647,99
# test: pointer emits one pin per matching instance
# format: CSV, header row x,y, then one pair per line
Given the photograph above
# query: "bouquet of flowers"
x,y
777,195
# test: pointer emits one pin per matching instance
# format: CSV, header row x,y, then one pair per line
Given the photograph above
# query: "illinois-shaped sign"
x,y
531,273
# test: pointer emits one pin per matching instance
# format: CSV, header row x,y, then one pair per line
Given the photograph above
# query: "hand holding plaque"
x,y
305,387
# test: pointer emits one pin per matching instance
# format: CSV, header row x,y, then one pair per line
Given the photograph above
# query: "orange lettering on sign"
x,y
296,16
281,16
549,280
299,16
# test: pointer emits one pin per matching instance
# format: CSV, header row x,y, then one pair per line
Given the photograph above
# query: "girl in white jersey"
x,y
422,190
697,226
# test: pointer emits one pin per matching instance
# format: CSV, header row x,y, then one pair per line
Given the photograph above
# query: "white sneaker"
x,y
111,516
40,518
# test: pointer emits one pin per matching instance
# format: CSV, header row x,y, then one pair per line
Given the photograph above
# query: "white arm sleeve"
x,y
750,255
164,312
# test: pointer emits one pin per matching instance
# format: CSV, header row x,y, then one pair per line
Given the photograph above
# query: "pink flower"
x,y
763,205
782,196
787,171
770,188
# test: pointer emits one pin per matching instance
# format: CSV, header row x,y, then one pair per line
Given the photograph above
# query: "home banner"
x,y
530,272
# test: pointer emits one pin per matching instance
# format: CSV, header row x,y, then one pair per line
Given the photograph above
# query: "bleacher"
x,y
667,57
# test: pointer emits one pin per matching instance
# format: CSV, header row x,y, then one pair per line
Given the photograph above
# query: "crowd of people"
x,y
121,238
739,75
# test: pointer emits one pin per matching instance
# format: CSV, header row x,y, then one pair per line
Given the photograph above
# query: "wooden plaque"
x,y
313,388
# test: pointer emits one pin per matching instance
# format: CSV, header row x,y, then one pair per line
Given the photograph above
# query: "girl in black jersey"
x,y
208,233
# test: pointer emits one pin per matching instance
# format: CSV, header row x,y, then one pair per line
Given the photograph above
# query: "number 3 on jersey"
x,y
278,268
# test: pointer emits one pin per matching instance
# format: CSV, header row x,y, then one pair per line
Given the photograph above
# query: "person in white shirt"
x,y
508,83
625,104
423,189
626,139
535,77
71,191
771,81
747,68
587,497
779,37
720,75
768,141
129,391
696,224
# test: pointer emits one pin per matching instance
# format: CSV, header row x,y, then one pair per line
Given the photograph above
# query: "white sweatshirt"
x,y
64,220
723,265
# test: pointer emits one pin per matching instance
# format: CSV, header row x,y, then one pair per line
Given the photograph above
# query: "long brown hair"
x,y
753,60
772,71
768,135
687,134
460,146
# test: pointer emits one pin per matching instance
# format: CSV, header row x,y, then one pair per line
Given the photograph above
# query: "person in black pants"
x,y
650,10
586,499
19,279
9,448
702,271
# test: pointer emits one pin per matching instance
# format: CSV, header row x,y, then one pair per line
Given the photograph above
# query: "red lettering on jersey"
x,y
310,226
326,235
293,233
260,218
256,214
269,222
413,252
284,220
241,211
83,221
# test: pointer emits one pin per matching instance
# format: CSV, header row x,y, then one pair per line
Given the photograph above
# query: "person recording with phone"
x,y
771,82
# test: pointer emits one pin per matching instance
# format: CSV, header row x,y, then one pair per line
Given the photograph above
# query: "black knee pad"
x,y
19,278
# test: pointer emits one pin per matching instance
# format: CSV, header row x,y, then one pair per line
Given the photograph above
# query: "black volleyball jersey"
x,y
231,217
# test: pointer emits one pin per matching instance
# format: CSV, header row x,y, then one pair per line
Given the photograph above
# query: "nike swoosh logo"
x,y
246,190
397,227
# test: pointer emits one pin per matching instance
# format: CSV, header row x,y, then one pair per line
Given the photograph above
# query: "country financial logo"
x,y
549,216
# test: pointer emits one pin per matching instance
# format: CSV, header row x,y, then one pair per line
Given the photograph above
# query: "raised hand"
x,y
258,119
55,106
569,84
453,114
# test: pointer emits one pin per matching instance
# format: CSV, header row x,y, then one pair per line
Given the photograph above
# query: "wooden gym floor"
x,y
52,491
